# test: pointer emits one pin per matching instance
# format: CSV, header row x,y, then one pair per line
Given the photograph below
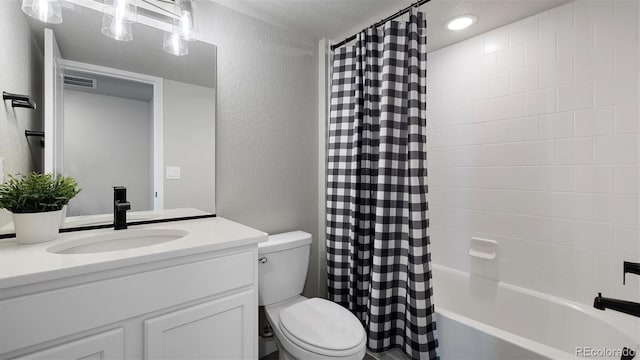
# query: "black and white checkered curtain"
x,y
377,220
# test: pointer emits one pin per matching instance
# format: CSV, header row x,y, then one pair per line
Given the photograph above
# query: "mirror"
x,y
117,114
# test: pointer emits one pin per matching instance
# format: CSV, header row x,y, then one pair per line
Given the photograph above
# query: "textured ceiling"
x,y
337,19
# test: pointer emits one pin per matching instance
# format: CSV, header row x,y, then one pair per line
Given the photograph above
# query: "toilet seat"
x,y
322,327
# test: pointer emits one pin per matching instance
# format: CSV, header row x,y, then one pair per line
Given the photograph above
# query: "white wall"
x,y
189,131
21,73
99,153
266,143
533,142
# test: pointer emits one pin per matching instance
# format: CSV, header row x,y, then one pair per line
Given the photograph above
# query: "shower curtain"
x,y
377,220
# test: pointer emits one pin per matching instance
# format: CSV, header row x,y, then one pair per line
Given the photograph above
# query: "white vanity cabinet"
x,y
202,305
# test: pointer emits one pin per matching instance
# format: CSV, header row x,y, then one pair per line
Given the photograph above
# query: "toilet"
x,y
304,328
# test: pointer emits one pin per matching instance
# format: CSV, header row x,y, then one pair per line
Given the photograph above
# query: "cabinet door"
x,y
218,329
107,345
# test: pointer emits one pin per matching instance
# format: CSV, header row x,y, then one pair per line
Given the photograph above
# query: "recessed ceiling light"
x,y
461,22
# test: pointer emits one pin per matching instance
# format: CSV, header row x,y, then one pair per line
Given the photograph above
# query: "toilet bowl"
x,y
304,328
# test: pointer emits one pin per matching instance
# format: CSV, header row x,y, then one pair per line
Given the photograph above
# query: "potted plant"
x,y
36,202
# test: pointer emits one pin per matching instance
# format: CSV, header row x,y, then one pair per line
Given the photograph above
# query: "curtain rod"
x,y
381,22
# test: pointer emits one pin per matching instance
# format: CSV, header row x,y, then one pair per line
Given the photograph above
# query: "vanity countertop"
x,y
28,264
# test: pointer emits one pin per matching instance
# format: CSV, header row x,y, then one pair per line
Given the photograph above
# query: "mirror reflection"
x,y
116,113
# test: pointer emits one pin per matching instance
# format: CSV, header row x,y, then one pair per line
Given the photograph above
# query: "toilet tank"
x,y
284,261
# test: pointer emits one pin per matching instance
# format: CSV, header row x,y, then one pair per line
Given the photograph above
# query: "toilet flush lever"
x,y
263,260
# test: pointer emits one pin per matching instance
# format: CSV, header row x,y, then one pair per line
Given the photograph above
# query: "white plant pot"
x,y
63,215
39,227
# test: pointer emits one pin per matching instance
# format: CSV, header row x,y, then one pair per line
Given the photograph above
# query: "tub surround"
x,y
134,302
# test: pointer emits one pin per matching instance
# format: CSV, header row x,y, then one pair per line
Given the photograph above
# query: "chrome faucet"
x,y
627,307
120,207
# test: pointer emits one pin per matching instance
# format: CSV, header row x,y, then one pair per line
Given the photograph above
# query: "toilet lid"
x,y
321,324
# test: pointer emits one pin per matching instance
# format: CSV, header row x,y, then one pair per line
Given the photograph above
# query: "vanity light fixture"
x,y
47,11
120,15
117,19
461,22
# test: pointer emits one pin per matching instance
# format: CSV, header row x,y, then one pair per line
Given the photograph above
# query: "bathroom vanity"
x,y
185,289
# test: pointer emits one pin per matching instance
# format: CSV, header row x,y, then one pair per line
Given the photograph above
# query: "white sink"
x,y
117,240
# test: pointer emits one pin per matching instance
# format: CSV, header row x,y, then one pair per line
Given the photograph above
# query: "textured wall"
x,y
533,142
266,143
20,72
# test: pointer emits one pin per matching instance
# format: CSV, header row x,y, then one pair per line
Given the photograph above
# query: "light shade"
x,y
47,11
186,23
461,22
117,29
174,44
118,17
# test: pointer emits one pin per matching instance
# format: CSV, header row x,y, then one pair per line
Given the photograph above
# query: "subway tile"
x,y
509,106
595,179
524,129
573,260
607,267
631,290
594,65
591,122
484,66
524,31
493,86
557,178
616,90
575,151
594,235
576,43
556,73
537,203
573,206
626,118
626,58
589,12
556,125
617,209
527,252
540,51
575,96
490,132
539,152
619,29
510,59
523,80
540,102
495,40
556,21
615,149
627,240
627,180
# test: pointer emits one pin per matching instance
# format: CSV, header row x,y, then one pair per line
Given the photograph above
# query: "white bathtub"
x,y
478,318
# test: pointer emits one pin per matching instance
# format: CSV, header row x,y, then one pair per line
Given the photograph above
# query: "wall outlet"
x,y
173,172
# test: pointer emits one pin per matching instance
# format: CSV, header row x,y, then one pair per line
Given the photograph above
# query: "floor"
x,y
393,354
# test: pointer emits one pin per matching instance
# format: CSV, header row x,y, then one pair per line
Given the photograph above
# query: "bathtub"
x,y
479,318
